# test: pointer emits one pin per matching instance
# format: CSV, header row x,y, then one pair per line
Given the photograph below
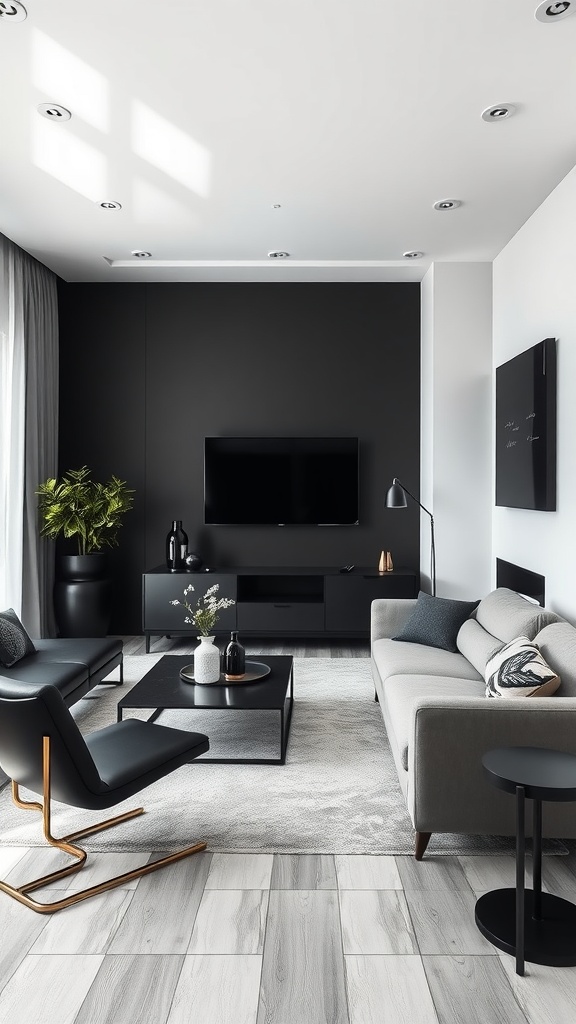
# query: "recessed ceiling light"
x,y
54,112
414,254
498,112
13,11
548,12
109,204
278,254
141,254
276,206
447,204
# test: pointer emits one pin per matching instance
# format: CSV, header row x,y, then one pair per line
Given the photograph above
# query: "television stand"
x,y
280,601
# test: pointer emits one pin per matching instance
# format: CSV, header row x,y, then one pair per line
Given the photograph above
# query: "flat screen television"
x,y
281,481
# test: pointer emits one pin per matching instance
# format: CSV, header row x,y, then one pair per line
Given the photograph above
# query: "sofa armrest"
x,y
388,616
448,790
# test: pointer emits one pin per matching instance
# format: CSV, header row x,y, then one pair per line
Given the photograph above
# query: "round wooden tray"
x,y
254,670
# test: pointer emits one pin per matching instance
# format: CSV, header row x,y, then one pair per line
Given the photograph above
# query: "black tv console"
x,y
275,600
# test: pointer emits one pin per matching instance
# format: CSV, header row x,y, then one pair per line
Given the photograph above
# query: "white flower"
x,y
188,589
174,602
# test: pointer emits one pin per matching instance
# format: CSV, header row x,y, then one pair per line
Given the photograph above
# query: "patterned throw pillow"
x,y
435,621
519,670
14,640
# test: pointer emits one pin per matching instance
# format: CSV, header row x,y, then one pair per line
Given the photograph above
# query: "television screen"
x,y
281,481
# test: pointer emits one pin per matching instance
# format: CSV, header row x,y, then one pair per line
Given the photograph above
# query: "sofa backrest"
x,y
557,643
506,615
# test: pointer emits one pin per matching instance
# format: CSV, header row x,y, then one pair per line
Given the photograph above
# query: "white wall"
x,y
456,430
535,298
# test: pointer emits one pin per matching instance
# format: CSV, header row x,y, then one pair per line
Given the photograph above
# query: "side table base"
x,y
550,941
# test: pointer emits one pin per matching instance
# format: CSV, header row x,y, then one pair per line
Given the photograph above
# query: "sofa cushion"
x,y
476,644
402,695
93,652
14,640
393,657
36,672
506,615
519,670
435,621
557,644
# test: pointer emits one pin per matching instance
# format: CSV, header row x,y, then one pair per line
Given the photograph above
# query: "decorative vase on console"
x,y
176,547
193,562
205,616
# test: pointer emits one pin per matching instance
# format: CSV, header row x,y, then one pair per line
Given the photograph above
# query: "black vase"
x,y
176,547
83,596
234,658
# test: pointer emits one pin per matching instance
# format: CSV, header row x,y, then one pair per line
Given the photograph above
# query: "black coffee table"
x,y
528,923
162,689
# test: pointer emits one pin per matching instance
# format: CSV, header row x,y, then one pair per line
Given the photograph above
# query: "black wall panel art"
x,y
526,429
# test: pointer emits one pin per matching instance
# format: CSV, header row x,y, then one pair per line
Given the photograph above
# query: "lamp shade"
x,y
396,496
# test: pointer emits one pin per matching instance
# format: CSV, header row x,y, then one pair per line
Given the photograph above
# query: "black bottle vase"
x,y
234,658
176,547
83,595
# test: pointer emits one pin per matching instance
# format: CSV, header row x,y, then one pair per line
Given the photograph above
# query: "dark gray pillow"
x,y
14,640
435,621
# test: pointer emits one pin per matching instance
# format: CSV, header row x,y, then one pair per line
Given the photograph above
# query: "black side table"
x,y
528,923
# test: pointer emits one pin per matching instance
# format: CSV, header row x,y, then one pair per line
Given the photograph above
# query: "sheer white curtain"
x,y
28,431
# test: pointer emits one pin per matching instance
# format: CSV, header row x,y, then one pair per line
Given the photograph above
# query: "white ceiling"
x,y
354,115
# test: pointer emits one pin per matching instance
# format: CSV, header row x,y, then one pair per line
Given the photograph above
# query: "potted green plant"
x,y
75,507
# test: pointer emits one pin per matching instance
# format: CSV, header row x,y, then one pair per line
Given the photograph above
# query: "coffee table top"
x,y
162,687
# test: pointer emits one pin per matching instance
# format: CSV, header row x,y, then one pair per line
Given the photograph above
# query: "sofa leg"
x,y
121,671
422,840
376,697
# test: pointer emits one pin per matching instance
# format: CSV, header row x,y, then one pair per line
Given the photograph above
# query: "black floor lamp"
x,y
396,498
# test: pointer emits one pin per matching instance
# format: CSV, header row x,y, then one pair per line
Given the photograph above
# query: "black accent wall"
x,y
147,371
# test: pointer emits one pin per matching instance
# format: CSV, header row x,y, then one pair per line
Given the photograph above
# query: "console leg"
x,y
376,697
422,840
147,643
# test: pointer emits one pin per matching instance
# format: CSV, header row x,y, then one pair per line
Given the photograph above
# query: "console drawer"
x,y
282,616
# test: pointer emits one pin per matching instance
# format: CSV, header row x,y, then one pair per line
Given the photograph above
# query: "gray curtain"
x,y
40,301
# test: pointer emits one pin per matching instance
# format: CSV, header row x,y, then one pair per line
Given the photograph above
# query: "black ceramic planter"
x,y
83,595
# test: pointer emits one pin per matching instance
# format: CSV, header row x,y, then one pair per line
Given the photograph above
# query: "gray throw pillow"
x,y
14,640
435,622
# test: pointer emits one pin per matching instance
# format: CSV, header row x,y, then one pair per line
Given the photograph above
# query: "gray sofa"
x,y
440,723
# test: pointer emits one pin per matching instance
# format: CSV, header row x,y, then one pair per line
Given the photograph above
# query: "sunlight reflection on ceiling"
x,y
167,147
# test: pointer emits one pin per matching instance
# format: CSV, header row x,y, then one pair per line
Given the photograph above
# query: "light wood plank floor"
x,y
307,940
262,939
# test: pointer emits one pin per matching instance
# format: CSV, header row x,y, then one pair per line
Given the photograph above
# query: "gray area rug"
x,y
337,793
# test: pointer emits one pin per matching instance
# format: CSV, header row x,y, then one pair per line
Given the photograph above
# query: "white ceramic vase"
x,y
206,661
